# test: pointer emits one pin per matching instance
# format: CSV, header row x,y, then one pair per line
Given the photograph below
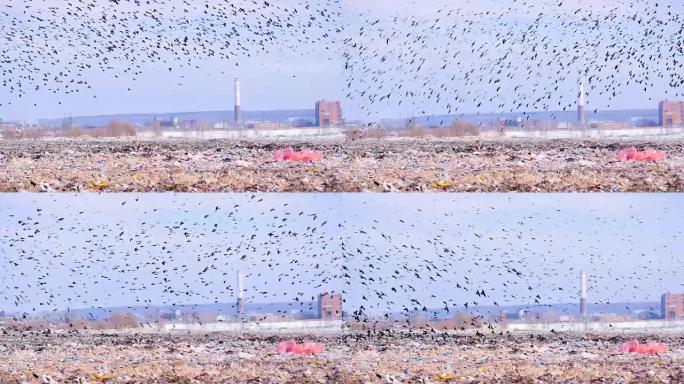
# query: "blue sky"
x,y
89,250
295,78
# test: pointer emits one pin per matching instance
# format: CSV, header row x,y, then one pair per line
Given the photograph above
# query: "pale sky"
x,y
296,78
89,250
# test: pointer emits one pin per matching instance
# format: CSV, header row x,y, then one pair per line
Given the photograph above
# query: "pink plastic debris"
x,y
650,348
629,346
288,154
291,346
645,155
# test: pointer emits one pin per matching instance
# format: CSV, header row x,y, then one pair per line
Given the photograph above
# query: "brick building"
x,y
672,306
328,113
329,306
671,113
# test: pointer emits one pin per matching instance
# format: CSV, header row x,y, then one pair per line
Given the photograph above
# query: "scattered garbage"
x,y
291,346
650,348
631,154
288,154
441,184
376,166
390,357
444,378
98,184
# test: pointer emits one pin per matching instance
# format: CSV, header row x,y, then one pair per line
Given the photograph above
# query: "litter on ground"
x,y
631,154
650,348
288,154
291,346
390,357
406,165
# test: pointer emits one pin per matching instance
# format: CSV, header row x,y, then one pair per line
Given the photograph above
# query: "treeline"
x,y
456,129
117,320
114,129
459,322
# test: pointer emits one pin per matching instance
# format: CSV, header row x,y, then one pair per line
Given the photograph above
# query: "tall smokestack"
x,y
240,295
583,295
581,117
237,114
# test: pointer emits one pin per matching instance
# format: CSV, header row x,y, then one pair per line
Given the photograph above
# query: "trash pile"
x,y
401,165
632,154
650,348
288,154
291,346
147,358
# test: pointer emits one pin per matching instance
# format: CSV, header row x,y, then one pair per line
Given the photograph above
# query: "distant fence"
x,y
249,133
343,132
295,326
589,133
656,326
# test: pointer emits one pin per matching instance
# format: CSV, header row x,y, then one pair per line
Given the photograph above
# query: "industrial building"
x,y
237,112
240,304
581,116
330,306
672,306
671,114
328,113
584,308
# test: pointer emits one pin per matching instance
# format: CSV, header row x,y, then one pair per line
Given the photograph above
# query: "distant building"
x,y
159,122
606,125
671,113
237,112
612,317
581,117
267,125
672,306
9,130
240,304
539,317
329,306
328,113
584,308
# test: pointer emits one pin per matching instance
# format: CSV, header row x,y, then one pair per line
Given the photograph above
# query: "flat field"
x,y
403,165
359,358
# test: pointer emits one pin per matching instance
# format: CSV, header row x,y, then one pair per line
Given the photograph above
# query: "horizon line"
x,y
310,109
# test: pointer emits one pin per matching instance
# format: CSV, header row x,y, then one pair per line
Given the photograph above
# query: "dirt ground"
x,y
404,165
386,358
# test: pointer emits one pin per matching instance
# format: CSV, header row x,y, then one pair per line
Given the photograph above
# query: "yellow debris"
x,y
444,378
99,184
441,184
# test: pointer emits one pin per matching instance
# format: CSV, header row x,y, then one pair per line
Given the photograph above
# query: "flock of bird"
x,y
514,56
57,46
519,56
385,255
507,56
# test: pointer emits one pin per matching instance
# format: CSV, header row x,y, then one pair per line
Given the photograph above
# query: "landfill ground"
x,y
389,165
386,358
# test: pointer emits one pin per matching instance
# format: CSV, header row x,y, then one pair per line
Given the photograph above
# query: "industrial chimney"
x,y
584,311
240,295
237,113
581,116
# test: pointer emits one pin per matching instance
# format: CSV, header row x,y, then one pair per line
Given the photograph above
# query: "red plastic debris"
x,y
650,348
291,346
645,155
288,154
